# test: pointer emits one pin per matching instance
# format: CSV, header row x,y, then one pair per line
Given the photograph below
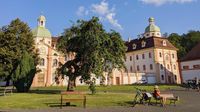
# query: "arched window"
x,y
55,62
162,77
42,62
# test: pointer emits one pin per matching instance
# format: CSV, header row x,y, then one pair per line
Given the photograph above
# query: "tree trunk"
x,y
71,84
8,80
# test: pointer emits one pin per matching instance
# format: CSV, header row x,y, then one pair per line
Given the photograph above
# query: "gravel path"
x,y
190,102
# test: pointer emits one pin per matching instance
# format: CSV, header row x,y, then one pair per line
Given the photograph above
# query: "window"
x,y
168,67
196,66
137,57
153,34
144,67
138,68
150,55
143,43
42,62
131,69
130,58
55,62
161,67
42,23
151,67
162,77
174,67
164,43
160,54
147,35
134,46
167,57
173,56
143,56
175,77
186,67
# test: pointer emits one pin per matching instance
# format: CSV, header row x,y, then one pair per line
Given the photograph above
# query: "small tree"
x,y
24,73
94,49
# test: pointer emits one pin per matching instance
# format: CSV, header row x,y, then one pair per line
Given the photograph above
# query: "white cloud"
x,y
82,11
106,13
161,2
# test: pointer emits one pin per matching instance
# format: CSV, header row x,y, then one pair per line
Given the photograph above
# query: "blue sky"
x,y
129,17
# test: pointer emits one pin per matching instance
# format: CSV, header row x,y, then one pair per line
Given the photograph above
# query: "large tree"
x,y
16,39
95,50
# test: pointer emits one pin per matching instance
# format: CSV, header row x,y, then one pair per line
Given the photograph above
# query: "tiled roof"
x,y
156,42
194,54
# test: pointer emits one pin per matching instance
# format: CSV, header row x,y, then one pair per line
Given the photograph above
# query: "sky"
x,y
128,17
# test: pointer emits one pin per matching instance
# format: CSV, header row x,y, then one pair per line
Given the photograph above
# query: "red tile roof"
x,y
194,54
156,42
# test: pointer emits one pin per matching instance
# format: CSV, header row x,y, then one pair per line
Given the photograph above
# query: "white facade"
x,y
190,69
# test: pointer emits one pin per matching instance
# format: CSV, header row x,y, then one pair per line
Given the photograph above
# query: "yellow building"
x,y
149,59
49,56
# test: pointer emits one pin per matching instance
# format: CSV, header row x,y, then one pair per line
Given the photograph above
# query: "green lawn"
x,y
50,97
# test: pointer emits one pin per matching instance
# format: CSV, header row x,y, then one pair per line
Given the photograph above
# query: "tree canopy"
x,y
184,42
95,50
16,39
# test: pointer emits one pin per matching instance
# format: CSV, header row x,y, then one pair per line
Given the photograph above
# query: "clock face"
x,y
42,50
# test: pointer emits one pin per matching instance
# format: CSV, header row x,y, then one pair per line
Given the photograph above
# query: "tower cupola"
x,y
152,29
41,21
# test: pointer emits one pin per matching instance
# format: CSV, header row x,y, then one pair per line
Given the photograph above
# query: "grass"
x,y
50,97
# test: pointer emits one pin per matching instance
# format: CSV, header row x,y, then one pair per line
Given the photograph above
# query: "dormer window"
x,y
134,46
143,43
164,43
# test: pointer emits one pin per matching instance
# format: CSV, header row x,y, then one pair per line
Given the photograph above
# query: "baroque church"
x,y
150,58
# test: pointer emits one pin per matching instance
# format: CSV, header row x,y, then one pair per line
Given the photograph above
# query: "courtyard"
x,y
107,99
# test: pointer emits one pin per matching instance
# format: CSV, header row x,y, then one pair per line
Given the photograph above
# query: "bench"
x,y
82,97
7,89
173,100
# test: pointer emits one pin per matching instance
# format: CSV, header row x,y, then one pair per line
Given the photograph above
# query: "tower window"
x,y
42,23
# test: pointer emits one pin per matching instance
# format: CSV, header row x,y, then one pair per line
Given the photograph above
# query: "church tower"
x,y
152,29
